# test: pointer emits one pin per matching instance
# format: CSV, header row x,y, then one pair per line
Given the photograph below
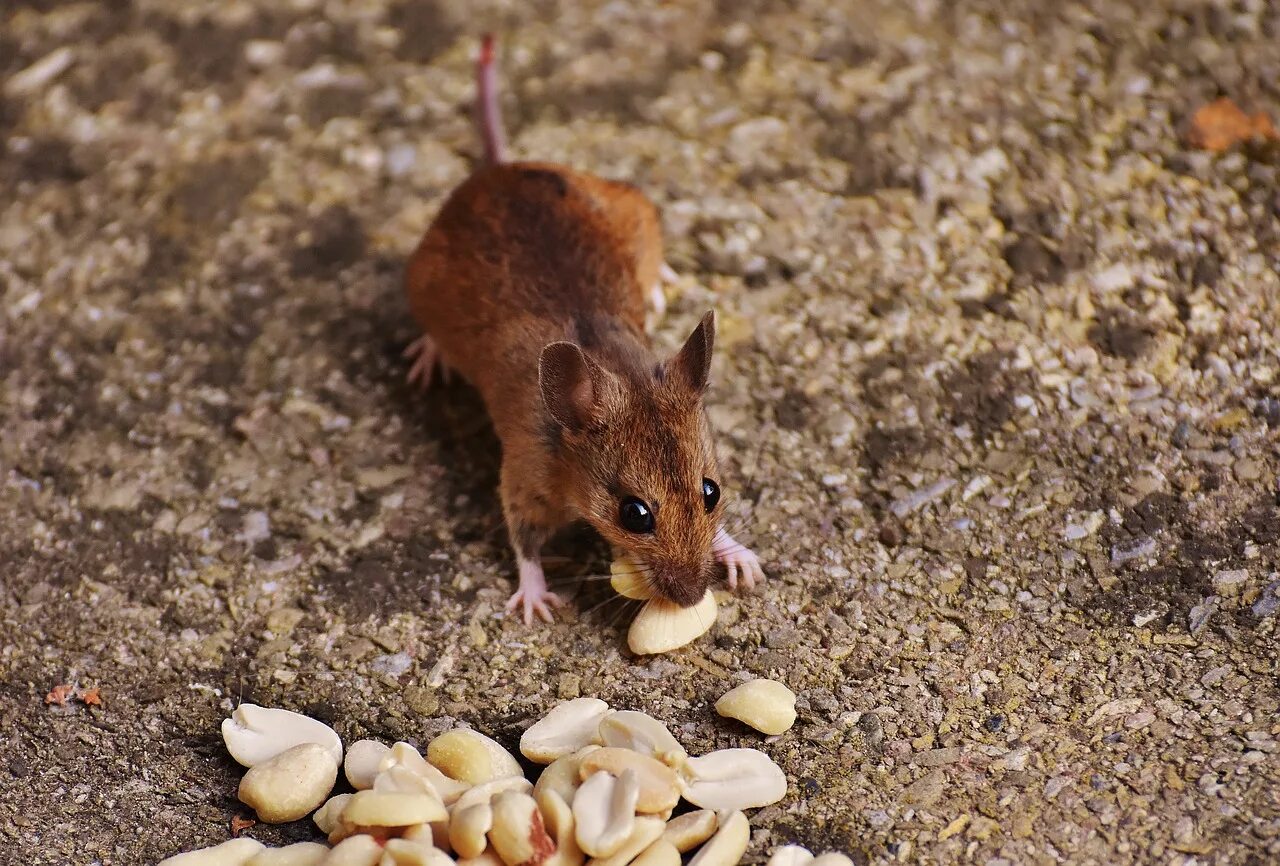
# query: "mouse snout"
x,y
683,583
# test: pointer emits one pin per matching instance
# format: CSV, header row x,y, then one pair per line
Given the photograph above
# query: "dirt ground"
x,y
997,391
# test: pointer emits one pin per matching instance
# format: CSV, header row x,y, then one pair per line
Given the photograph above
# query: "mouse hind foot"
x,y
425,355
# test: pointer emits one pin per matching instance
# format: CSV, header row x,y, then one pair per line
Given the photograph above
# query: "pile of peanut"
x,y
611,783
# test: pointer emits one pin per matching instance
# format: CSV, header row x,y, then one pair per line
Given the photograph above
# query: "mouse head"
x,y
637,452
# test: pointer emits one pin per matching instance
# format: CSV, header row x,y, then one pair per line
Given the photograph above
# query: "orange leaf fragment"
x,y
60,694
239,825
1222,124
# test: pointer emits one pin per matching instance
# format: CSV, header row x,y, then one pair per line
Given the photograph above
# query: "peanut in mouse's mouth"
x,y
633,578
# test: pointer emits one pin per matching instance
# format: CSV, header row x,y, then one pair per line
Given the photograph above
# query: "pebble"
x,y
1230,583
924,791
1138,548
40,73
393,665
1269,602
1200,614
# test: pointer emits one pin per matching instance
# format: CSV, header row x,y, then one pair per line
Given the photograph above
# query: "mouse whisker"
x,y
610,599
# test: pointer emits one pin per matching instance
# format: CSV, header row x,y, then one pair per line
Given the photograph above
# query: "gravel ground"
x,y
998,389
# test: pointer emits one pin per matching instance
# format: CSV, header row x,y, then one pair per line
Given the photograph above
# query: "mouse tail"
x,y
490,115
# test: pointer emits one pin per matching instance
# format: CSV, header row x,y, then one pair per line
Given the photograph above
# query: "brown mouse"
x,y
531,284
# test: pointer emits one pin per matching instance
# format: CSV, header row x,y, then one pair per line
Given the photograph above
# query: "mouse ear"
x,y
691,366
575,389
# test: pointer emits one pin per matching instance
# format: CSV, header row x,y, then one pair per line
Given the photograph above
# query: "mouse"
x,y
532,284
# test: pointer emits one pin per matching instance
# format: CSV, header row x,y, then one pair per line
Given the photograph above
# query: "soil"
x,y
997,391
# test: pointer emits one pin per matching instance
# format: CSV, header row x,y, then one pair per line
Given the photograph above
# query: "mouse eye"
x,y
635,516
710,494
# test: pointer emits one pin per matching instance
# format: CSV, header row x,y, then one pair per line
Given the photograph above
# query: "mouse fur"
x,y
531,284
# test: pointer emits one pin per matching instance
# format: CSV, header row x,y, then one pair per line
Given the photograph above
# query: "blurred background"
x,y
996,391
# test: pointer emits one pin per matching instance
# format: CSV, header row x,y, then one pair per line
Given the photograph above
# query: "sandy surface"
x,y
998,389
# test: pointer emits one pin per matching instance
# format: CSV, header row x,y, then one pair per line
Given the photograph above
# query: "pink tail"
x,y
487,104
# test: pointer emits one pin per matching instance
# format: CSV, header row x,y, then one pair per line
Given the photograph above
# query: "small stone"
x,y
569,686
393,665
423,701
1230,583
939,757
1201,613
926,790
1269,602
1138,548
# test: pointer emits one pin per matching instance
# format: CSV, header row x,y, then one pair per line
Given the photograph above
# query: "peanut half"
x,y
662,626
329,816
486,792
559,822
629,579
831,858
641,732
384,809
728,845
691,829
731,779
469,756
469,829
291,785
359,850
519,834
644,833
256,734
410,760
363,762
791,855
766,705
660,853
562,775
297,854
604,812
234,852
659,784
566,729
405,852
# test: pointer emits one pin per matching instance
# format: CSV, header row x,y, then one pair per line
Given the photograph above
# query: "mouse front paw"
x,y
738,560
426,359
533,596
535,601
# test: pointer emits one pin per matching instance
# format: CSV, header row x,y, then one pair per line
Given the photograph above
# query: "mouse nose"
x,y
683,584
